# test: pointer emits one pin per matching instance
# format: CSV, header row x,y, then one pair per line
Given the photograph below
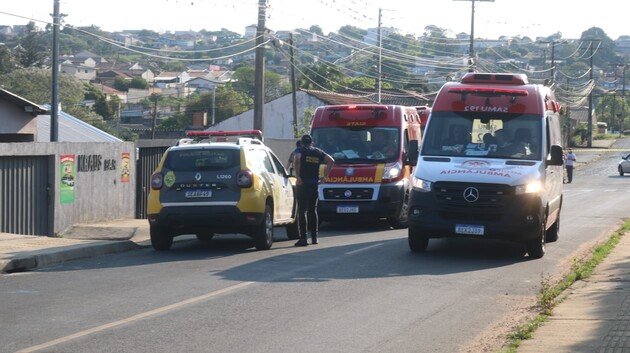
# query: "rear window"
x,y
202,159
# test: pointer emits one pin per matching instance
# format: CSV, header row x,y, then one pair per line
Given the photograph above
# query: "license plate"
x,y
347,209
192,194
471,229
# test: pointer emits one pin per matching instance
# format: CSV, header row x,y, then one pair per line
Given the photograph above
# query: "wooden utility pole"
x,y
471,49
293,87
259,78
54,105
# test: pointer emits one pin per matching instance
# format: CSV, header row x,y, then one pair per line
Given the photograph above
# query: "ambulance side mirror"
x,y
555,155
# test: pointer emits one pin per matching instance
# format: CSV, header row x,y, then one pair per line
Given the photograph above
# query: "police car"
x,y
221,182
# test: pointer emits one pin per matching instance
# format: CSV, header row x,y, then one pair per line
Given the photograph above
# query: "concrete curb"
x,y
46,257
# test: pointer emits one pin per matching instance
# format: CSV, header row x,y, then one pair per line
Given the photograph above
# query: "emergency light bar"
x,y
489,92
256,134
378,111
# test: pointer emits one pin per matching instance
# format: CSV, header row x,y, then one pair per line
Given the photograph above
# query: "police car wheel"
x,y
160,239
263,233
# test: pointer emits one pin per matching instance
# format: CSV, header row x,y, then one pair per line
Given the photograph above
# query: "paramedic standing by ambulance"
x,y
306,162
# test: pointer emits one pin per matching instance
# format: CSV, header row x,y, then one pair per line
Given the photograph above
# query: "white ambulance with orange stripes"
x,y
490,165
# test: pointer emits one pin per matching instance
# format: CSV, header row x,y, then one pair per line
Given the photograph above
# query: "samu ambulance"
x,y
490,165
371,175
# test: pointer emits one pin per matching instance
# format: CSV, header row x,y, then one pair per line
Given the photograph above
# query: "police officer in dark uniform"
x,y
306,162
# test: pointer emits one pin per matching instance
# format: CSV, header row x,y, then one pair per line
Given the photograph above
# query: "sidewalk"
x,y
595,317
28,252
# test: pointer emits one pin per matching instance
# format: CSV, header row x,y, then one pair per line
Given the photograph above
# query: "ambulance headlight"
x,y
420,184
529,188
392,171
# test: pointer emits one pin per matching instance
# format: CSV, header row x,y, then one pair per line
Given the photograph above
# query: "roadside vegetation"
x,y
550,293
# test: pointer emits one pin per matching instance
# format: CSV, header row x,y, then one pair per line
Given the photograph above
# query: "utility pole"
x,y
380,57
259,78
553,44
589,130
293,87
54,105
471,49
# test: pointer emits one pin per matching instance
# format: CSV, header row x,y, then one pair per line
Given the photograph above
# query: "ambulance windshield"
x,y
371,144
483,135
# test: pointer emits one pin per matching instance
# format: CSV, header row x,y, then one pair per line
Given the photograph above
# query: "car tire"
x,y
620,171
552,234
263,233
536,247
402,220
161,240
417,241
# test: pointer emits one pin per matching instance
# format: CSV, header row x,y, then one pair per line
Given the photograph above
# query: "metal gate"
x,y
148,160
25,194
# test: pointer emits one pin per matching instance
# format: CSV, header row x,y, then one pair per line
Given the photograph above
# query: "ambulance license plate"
x,y
470,229
347,209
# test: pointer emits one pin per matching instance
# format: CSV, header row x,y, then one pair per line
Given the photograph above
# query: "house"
x,y
71,129
80,72
18,118
171,79
201,85
250,31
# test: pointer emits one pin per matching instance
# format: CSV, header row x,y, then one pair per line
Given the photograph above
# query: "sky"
x,y
531,18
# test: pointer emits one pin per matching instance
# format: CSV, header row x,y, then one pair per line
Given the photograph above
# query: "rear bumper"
x,y
199,219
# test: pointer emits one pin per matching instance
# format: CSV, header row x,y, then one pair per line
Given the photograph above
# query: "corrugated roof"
x,y
71,129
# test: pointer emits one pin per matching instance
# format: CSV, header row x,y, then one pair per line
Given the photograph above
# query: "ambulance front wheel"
x,y
417,241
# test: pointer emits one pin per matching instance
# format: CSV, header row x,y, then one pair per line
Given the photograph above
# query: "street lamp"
x,y
471,50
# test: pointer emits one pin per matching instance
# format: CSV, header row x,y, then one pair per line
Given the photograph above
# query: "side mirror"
x,y
413,152
292,172
555,155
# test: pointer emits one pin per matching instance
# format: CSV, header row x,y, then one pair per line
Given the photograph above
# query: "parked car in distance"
x,y
624,165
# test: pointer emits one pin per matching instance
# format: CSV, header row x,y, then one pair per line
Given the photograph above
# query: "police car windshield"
x,y
202,159
486,135
371,144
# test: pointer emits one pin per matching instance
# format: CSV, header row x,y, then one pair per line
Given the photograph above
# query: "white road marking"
x,y
363,249
133,318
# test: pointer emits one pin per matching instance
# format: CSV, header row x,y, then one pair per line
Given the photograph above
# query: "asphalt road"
x,y
360,290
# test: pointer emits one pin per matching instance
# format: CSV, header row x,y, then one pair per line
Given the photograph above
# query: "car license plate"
x,y
347,209
192,194
471,229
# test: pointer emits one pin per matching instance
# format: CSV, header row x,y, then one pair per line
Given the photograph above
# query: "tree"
x,y
244,79
228,103
606,47
30,53
7,63
322,76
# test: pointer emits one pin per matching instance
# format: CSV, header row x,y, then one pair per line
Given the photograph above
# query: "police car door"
x,y
287,198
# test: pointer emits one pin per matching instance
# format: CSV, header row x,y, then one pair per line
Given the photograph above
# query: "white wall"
x,y
277,117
